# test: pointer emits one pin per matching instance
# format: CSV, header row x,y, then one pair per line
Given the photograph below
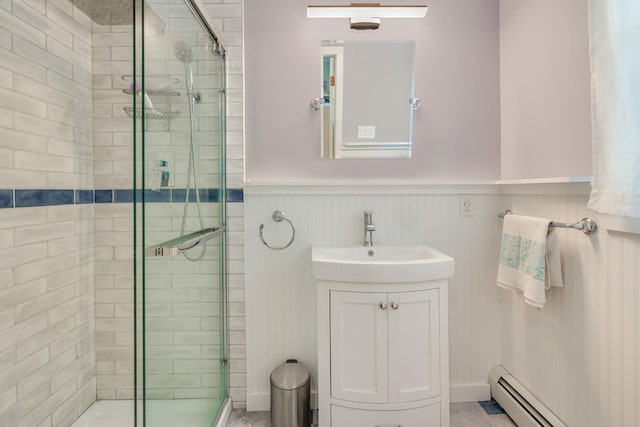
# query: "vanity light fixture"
x,y
366,16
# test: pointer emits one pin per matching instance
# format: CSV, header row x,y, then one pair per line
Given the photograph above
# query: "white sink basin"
x,y
380,264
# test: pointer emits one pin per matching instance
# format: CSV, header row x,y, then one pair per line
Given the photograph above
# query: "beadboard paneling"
x,y
280,288
579,354
623,334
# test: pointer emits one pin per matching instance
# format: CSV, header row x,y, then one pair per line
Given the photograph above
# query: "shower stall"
x,y
174,97
113,243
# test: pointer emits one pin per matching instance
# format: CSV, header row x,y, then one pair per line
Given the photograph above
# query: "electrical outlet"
x,y
366,132
467,206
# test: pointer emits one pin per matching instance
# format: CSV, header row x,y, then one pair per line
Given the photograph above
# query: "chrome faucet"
x,y
369,228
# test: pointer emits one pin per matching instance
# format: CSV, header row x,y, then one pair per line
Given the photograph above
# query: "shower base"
x,y
162,413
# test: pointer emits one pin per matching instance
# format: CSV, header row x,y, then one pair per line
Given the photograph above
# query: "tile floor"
x,y
462,415
120,413
471,414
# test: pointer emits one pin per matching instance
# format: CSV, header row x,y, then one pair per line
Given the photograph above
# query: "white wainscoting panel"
x,y
580,354
280,287
623,334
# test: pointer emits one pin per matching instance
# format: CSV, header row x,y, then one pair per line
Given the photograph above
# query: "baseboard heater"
x,y
522,406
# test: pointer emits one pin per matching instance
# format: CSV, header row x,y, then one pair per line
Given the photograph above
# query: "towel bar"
x,y
586,225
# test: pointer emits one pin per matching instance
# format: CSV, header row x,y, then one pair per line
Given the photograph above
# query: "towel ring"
x,y
278,216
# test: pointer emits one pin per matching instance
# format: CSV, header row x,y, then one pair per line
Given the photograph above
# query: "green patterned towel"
x,y
523,257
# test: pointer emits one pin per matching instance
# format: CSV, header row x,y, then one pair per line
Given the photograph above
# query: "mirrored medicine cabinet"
x,y
367,101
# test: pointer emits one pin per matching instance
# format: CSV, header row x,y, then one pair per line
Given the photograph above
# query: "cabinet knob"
x,y
383,305
395,305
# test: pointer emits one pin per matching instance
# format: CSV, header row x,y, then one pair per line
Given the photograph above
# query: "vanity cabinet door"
x,y
359,346
414,345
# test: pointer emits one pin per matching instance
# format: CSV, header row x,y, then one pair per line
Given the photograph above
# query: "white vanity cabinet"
x,y
383,354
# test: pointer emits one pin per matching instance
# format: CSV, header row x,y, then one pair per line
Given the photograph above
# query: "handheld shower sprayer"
x,y
184,54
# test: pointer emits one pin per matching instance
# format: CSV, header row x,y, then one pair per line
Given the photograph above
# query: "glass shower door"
x,y
182,351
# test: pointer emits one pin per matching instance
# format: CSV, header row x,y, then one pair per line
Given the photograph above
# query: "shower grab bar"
x,y
180,244
586,225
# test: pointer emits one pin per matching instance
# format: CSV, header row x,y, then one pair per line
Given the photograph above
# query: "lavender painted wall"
x,y
456,133
545,84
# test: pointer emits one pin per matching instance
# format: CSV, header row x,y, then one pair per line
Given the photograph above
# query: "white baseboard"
x,y
460,393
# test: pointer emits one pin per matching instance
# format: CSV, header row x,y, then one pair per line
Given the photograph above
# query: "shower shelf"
x,y
153,113
154,92
158,85
154,84
183,243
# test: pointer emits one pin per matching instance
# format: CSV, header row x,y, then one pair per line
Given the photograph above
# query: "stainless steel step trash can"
x,y
290,388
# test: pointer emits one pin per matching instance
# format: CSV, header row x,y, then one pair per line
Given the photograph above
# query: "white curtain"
x,y
615,97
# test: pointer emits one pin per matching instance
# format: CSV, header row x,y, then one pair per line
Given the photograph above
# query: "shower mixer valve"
x,y
196,97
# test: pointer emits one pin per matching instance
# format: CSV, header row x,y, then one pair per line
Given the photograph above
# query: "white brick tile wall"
x,y
41,56
14,25
15,140
44,302
51,84
23,66
15,101
47,376
43,338
5,39
39,94
30,124
6,120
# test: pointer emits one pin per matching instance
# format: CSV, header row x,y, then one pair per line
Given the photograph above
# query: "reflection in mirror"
x,y
367,89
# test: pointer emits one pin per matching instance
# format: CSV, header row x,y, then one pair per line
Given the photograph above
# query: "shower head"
x,y
112,12
117,12
183,52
